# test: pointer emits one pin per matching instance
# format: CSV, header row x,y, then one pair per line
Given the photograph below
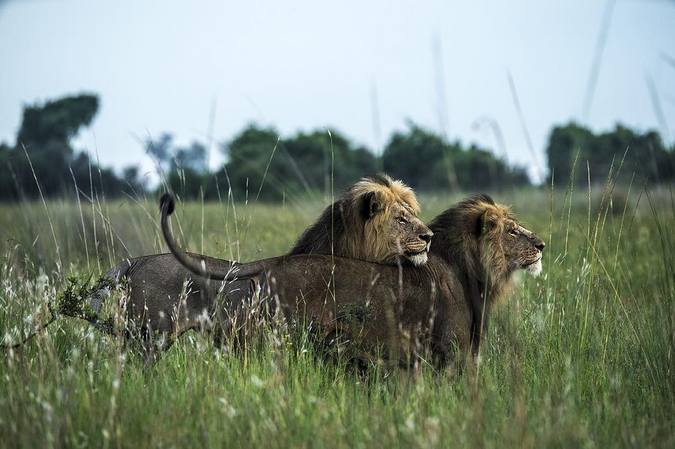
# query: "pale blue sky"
x,y
161,65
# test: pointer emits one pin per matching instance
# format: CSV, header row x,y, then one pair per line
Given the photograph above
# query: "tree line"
x,y
261,164
575,153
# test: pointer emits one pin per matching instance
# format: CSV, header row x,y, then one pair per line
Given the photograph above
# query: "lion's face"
x,y
410,238
395,227
522,248
517,247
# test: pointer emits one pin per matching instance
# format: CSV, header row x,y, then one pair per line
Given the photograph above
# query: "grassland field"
x,y
580,357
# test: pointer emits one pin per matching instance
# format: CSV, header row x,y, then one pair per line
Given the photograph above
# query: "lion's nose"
x,y
539,244
426,236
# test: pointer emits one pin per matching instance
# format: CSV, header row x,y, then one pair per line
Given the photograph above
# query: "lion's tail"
x,y
198,265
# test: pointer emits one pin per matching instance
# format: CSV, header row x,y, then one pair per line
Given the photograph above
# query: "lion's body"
x,y
355,300
156,297
361,224
440,308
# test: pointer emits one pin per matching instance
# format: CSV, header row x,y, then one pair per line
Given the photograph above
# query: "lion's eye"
x,y
402,220
513,232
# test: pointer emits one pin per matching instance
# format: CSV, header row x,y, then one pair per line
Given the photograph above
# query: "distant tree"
x,y
103,181
305,162
192,157
57,120
132,177
419,157
185,168
479,169
325,157
43,151
247,155
647,156
160,150
563,145
8,185
188,183
427,161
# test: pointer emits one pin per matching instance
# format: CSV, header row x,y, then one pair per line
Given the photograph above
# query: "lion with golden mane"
x,y
374,220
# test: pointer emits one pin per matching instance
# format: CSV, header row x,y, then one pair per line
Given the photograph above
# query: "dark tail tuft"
x,y
167,203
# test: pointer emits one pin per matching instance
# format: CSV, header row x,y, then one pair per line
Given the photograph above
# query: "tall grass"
x,y
580,357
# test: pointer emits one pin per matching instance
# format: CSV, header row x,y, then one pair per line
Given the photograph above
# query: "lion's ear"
x,y
370,205
482,224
